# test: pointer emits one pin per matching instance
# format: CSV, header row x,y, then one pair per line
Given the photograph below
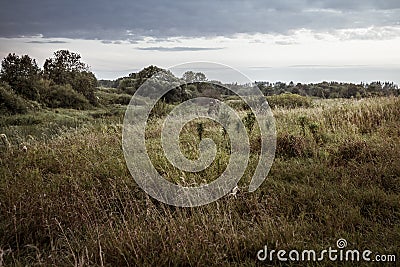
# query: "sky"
x,y
278,40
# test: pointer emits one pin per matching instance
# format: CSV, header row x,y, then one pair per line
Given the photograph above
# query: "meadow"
x,y
69,199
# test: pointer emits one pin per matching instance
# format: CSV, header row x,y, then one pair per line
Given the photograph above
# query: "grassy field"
x,y
70,200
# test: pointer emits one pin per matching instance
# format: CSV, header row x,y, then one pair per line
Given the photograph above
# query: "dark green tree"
x,y
85,83
61,69
22,74
188,76
191,77
148,72
200,77
67,68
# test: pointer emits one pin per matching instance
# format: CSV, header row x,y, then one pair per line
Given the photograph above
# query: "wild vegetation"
x,y
69,199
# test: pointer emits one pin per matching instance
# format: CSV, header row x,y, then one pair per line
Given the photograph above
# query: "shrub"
x,y
63,96
237,104
84,83
160,109
108,97
10,103
200,130
288,100
249,121
292,146
353,150
123,99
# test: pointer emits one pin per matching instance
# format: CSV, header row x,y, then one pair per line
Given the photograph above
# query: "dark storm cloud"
x,y
356,5
47,42
179,48
131,20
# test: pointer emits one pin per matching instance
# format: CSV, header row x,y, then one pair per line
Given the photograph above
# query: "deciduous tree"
x,y
22,74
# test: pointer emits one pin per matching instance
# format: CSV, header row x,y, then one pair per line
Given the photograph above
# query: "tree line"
x,y
331,89
132,82
67,82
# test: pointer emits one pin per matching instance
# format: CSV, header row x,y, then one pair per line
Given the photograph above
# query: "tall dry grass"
x,y
71,200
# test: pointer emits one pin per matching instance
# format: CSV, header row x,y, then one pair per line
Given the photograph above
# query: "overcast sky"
x,y
303,41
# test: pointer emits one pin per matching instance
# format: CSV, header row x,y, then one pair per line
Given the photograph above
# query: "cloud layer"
x,y
179,48
132,20
47,42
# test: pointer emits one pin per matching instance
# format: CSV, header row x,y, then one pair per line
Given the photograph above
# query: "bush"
x,y
108,97
249,121
84,83
288,100
63,96
237,104
290,145
123,99
10,103
353,150
160,109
